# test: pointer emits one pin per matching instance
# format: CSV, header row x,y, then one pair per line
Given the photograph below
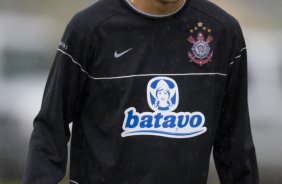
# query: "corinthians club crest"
x,y
200,52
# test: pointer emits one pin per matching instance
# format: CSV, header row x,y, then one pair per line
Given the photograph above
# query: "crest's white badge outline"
x,y
163,98
201,49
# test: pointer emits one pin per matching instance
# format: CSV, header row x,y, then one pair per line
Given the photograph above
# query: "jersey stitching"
x,y
146,75
237,57
137,75
245,48
216,19
73,182
105,19
74,61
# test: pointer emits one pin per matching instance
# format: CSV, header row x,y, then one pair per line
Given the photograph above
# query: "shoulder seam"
x,y
104,20
192,6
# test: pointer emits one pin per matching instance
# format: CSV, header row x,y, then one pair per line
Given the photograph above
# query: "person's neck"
x,y
157,7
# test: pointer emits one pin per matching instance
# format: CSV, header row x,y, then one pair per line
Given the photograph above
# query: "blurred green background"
x,y
30,31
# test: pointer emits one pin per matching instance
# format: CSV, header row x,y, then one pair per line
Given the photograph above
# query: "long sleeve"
x,y
47,157
234,151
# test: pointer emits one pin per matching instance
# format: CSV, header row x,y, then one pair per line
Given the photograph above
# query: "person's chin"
x,y
169,1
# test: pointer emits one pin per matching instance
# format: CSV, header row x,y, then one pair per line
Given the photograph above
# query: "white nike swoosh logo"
x,y
117,55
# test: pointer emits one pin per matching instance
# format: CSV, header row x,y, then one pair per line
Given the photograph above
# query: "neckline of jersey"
x,y
130,6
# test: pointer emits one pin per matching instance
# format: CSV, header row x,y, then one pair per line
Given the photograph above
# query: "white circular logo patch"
x,y
162,94
201,49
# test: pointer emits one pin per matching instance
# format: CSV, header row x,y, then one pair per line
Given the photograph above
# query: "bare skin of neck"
x,y
158,7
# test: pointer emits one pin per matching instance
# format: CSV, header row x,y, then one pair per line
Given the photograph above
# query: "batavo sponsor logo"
x,y
163,99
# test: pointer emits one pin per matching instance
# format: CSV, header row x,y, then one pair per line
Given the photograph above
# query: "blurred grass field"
x,y
10,182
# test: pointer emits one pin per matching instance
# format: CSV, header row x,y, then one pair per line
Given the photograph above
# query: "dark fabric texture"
x,y
100,80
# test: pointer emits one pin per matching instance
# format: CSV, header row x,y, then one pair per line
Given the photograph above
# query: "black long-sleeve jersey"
x,y
149,97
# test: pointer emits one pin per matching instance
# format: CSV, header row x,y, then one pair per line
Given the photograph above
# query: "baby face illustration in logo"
x,y
162,94
163,99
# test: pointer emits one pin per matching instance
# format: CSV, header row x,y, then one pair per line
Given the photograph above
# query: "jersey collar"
x,y
153,15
